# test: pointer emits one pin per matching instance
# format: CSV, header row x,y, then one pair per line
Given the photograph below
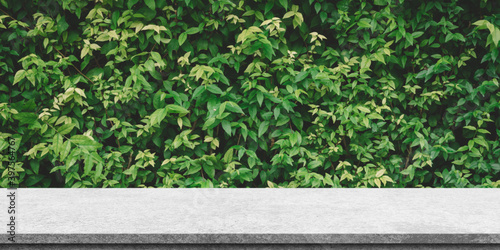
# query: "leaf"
x,y
270,184
301,76
380,173
245,174
323,15
480,140
251,162
198,91
66,128
483,131
495,36
233,107
268,7
210,170
84,142
208,123
62,25
182,38
35,166
226,125
192,30
158,98
365,62
21,74
448,37
179,122
364,109
57,143
131,3
25,118
459,37
364,23
158,116
89,163
470,128
66,150
193,169
481,23
151,4
293,139
268,51
379,57
260,98
214,89
176,109
33,179
313,164
317,7
263,128
98,171
276,113
228,156
284,3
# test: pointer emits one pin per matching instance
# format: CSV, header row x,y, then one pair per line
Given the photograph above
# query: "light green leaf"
x,y
193,169
251,162
98,171
380,173
89,163
313,164
470,128
66,150
214,89
85,143
284,3
66,128
158,116
293,139
364,109
480,140
228,156
364,23
19,76
233,107
192,30
495,36
182,38
172,108
208,123
57,143
226,125
263,128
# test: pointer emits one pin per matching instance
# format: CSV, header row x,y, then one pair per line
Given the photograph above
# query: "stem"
x,y
129,160
408,157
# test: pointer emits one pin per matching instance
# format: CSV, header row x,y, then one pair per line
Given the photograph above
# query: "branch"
x,y
408,158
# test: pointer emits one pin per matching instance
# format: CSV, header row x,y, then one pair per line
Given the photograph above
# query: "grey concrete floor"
x,y
257,215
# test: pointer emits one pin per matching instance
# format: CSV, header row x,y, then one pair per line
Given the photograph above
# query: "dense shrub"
x,y
153,93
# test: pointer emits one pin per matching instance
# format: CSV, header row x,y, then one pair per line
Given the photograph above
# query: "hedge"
x,y
277,93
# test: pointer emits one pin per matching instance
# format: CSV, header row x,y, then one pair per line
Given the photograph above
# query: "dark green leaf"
x,y
151,4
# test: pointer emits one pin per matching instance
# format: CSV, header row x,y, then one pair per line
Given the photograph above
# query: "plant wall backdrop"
x,y
242,93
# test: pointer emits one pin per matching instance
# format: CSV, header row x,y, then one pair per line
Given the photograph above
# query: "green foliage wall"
x,y
193,93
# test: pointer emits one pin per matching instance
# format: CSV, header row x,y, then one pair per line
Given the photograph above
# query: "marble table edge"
x,y
253,239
